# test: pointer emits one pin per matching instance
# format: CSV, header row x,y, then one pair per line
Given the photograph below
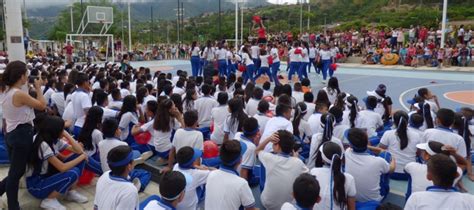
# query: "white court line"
x,y
461,102
400,98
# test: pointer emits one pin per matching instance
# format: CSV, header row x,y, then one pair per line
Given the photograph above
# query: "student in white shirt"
x,y
264,65
281,169
276,62
124,89
443,133
279,122
314,120
401,143
297,92
50,175
332,89
173,186
467,133
225,189
234,122
304,60
100,98
204,106
339,128
261,115
81,101
306,192
187,136
249,65
129,116
418,171
115,100
325,58
295,60
218,116
252,104
428,97
384,102
221,54
370,120
90,137
338,189
195,60
318,139
301,128
368,171
442,171
250,137
415,122
188,162
114,190
312,58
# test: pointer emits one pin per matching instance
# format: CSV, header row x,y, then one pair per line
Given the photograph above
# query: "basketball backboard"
x,y
104,15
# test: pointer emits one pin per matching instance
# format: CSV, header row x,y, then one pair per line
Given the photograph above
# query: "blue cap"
x,y
197,154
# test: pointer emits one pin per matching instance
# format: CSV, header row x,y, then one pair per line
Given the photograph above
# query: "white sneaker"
x,y
75,196
52,203
137,183
143,157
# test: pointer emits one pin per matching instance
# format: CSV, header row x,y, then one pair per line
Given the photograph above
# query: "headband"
x,y
123,162
249,133
188,179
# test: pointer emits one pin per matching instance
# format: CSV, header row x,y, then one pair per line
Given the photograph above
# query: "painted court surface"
x,y
453,88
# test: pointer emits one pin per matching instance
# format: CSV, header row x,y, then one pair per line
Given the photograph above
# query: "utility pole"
x,y
129,29
241,24
236,24
151,25
301,16
309,12
219,26
181,12
72,19
443,24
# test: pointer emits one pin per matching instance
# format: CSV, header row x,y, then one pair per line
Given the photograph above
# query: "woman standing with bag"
x,y
18,112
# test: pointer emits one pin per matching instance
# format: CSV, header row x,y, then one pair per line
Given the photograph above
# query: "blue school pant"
x,y
130,139
294,68
275,70
222,66
264,70
326,64
94,164
312,62
76,131
40,186
385,178
369,205
206,133
256,62
374,140
302,70
3,150
400,176
230,67
195,64
202,63
249,74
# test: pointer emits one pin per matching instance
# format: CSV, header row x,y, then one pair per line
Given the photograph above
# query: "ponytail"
x,y
426,109
339,180
353,113
328,127
401,118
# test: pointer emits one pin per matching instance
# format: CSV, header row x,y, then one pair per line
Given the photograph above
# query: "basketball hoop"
x,y
101,21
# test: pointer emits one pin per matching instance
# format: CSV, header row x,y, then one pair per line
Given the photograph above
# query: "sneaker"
x,y
52,203
143,157
161,162
75,196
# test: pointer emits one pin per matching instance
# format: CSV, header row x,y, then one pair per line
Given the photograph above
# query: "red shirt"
x,y
289,36
69,49
312,37
261,33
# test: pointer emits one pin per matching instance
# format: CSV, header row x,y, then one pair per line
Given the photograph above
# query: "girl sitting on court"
x,y
51,173
234,121
401,143
338,189
371,120
129,117
318,139
90,136
417,171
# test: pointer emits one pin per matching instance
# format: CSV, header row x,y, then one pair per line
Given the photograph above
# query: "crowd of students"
x,y
332,151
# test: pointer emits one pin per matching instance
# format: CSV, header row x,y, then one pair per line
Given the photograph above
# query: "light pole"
x,y
443,23
129,29
309,12
301,17
236,24
72,19
219,28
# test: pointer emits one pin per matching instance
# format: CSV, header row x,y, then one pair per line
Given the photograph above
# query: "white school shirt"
x,y
195,51
161,140
315,123
188,137
304,130
314,149
334,51
418,171
249,157
251,108
405,156
246,59
190,200
446,136
255,51
204,106
124,92
115,193
96,138
262,120
325,54
221,54
179,90
309,110
209,53
366,170
289,206
298,95
124,124
104,148
227,190
312,52
441,199
323,175
115,105
332,94
57,98
293,57
47,95
218,116
305,55
338,132
69,114
280,173
274,53
109,113
272,126
80,101
231,128
369,120
45,152
264,61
